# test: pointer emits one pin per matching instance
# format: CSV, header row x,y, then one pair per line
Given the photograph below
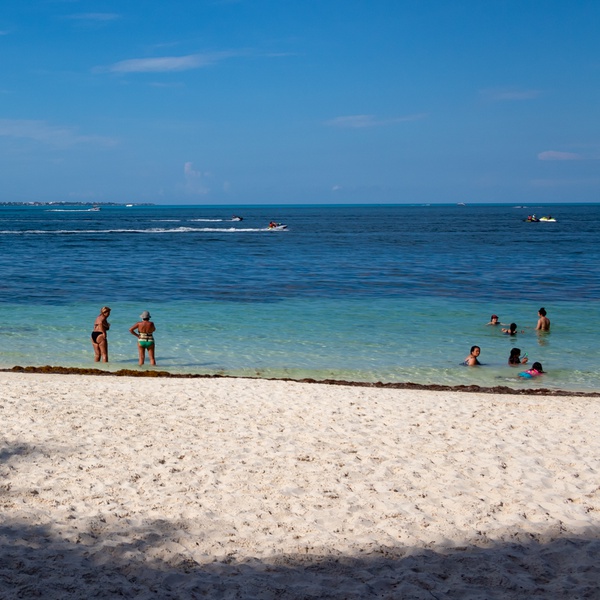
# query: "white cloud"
x,y
362,121
40,131
553,155
167,64
194,180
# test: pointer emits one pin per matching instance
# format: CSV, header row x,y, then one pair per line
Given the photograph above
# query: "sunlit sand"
x,y
189,488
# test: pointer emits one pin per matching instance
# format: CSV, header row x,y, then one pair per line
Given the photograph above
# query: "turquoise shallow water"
x,y
355,293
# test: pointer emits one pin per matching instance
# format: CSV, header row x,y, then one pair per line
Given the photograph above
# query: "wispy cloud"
x,y
94,17
509,94
168,64
554,155
42,132
194,180
561,183
362,121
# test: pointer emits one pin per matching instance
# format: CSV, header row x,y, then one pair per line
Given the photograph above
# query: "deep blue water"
x,y
392,293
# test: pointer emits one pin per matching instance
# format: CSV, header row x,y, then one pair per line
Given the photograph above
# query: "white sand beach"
x,y
234,488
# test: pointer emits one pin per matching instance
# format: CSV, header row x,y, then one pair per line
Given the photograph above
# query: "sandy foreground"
x,y
118,487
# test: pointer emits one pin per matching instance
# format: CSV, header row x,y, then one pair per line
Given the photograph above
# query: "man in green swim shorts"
x,y
145,328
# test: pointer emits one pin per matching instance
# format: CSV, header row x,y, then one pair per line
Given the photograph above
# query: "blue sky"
x,y
290,101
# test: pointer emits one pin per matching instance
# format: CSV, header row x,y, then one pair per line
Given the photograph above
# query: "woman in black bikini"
x,y
99,341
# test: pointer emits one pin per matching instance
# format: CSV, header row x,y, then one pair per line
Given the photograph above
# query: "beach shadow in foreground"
x,y
9,452
149,563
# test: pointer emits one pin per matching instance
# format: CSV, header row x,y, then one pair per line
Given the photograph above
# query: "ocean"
x,y
390,293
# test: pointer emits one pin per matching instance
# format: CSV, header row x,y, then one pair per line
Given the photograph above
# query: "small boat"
x,y
129,205
94,209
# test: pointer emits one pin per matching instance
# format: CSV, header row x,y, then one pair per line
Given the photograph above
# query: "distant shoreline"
x,y
77,204
537,205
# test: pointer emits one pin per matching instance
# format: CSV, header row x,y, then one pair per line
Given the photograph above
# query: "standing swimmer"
x,y
543,323
145,329
99,341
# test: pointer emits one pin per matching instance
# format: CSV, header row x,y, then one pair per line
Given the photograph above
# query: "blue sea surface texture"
x,y
363,293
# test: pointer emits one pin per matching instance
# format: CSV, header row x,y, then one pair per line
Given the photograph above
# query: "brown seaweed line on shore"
x,y
500,389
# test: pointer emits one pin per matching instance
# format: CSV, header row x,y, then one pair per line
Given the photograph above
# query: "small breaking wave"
x,y
70,210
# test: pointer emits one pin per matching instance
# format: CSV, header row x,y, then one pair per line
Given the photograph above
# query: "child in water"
x,y
515,357
535,371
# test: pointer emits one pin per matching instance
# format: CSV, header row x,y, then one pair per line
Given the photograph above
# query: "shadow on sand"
x,y
105,556
148,562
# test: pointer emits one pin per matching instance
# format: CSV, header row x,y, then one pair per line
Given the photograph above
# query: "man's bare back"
x,y
543,323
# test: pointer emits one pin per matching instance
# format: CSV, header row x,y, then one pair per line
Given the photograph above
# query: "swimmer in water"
x,y
472,359
515,358
535,371
512,329
543,323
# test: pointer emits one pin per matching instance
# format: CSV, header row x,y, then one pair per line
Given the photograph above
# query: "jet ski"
x,y
548,219
276,226
236,218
